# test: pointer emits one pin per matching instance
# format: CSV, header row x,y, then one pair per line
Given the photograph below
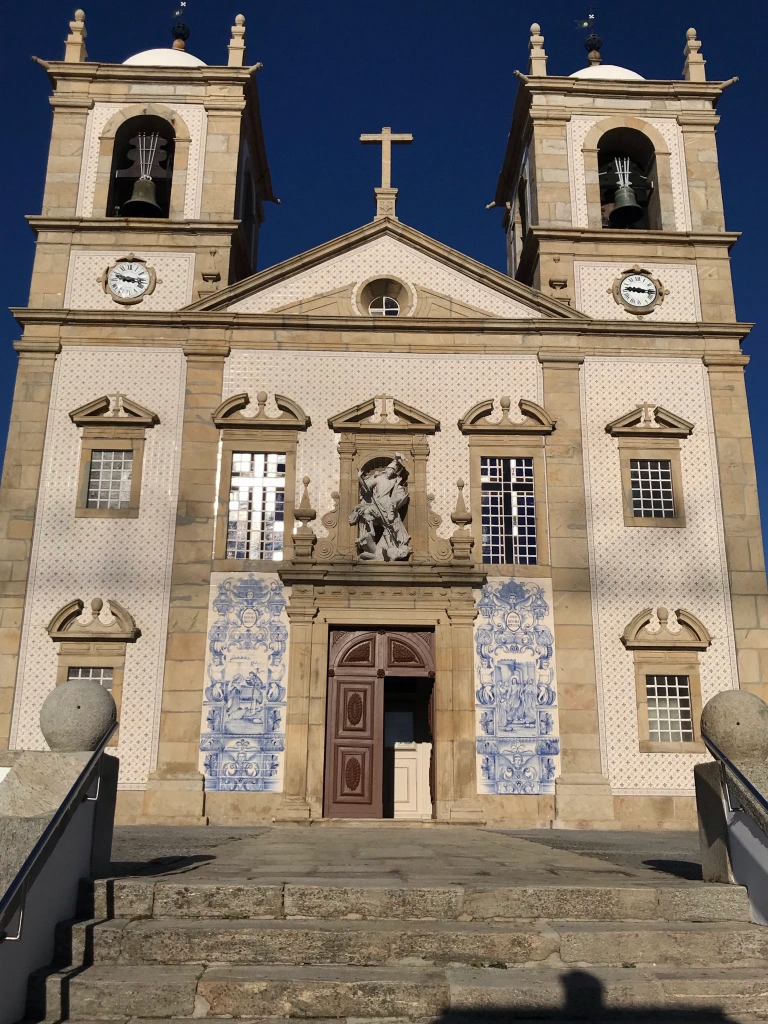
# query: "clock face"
x,y
638,290
128,280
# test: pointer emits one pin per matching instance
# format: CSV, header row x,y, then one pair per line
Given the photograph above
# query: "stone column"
x,y
443,720
174,793
741,519
20,487
465,805
301,613
582,794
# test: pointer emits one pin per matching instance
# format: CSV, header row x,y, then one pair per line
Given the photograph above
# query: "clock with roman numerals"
x,y
129,280
638,291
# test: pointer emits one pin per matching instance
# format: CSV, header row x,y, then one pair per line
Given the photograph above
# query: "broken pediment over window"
x,y
102,620
384,414
483,418
231,413
649,420
660,629
113,410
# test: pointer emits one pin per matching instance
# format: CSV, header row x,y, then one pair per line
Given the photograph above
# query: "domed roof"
x,y
166,58
607,72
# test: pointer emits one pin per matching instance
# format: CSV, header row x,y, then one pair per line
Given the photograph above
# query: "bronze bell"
x,y
143,201
626,210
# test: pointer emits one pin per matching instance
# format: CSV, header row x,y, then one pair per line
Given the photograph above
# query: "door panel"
x,y
358,663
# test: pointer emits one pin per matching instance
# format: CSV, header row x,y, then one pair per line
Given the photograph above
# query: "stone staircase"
x,y
167,948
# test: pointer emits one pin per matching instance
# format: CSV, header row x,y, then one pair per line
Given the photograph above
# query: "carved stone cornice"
x,y
373,417
726,361
649,421
395,574
537,420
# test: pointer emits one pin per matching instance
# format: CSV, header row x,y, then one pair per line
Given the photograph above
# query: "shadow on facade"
x,y
584,999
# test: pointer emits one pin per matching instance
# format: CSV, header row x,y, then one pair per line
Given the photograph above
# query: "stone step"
x,y
117,992
131,898
367,943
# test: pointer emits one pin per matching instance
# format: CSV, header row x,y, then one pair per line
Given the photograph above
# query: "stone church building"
x,y
380,531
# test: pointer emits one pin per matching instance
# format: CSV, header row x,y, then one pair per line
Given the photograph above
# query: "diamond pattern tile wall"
x,y
125,559
326,383
175,275
384,256
636,568
593,284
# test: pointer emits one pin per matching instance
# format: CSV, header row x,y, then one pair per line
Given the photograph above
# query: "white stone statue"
x,y
382,535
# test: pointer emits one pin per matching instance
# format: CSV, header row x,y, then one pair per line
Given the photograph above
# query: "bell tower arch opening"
x,y
626,162
142,168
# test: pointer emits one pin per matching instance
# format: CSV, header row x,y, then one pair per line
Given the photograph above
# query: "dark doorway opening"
x,y
407,723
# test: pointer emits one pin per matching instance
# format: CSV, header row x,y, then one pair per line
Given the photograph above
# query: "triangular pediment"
x,y
437,282
113,410
384,414
649,420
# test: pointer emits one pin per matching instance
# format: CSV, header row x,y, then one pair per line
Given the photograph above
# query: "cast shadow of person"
x,y
584,999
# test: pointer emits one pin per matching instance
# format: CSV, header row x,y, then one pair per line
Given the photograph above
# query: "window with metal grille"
x,y
508,511
97,675
109,479
256,506
669,709
652,496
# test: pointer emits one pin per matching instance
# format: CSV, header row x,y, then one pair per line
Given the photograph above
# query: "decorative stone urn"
x,y
76,715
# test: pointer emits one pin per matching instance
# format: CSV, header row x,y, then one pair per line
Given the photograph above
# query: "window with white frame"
x,y
256,506
109,479
104,676
652,493
669,709
508,510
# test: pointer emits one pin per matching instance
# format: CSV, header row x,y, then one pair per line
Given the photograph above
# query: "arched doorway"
x,y
379,724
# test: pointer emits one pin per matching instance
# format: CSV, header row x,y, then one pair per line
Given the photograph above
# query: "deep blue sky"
x,y
443,71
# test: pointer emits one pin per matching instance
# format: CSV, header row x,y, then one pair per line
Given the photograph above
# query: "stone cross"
x,y
386,196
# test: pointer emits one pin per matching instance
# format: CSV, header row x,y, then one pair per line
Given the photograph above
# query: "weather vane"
x,y
593,42
180,30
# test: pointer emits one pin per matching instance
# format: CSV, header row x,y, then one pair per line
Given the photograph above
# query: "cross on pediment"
x,y
386,196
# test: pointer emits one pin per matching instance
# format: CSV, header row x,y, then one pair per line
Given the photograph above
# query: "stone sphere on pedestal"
x,y
76,715
737,722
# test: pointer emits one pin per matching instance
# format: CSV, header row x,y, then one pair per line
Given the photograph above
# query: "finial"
x,y
236,46
462,540
304,537
693,69
74,47
593,44
537,60
180,29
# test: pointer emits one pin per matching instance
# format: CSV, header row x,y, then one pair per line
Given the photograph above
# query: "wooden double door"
x,y
360,662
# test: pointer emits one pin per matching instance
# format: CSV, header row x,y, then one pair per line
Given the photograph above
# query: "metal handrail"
x,y
717,753
15,896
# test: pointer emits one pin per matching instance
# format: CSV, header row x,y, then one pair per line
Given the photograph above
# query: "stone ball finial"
x,y
460,484
505,403
535,29
239,19
691,33
96,605
306,481
76,715
737,722
79,14
261,397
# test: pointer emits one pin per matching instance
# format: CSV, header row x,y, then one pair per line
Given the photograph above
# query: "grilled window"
x,y
669,709
97,675
508,511
652,496
109,479
256,506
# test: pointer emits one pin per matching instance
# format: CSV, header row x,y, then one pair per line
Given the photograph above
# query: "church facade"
x,y
381,532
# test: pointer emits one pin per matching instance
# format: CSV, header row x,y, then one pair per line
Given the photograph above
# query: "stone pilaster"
x,y
741,519
174,792
18,503
465,804
582,794
301,613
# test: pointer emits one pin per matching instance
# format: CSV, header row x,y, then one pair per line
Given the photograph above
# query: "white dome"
x,y
166,58
607,71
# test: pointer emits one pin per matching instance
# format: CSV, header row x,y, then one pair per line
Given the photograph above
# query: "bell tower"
x,y
156,181
609,176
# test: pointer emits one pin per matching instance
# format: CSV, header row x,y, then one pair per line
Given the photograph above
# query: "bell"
x,y
626,210
143,201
